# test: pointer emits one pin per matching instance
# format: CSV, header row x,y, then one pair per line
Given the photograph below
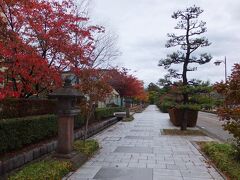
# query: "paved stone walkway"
x,y
137,151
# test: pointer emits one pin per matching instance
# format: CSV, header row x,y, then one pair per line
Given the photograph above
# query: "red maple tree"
x,y
38,40
93,83
126,84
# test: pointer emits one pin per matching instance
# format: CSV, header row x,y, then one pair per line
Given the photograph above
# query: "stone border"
x,y
26,157
194,143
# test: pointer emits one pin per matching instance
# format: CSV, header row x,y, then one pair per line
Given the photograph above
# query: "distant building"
x,y
113,98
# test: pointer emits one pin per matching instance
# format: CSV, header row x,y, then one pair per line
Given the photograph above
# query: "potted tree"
x,y
197,100
188,42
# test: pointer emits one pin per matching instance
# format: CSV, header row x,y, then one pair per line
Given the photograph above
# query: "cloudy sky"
x,y
142,26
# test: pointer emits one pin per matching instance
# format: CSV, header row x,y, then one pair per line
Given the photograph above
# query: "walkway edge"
x,y
210,134
207,158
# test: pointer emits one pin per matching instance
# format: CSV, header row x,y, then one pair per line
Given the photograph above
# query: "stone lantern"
x,y
67,97
128,102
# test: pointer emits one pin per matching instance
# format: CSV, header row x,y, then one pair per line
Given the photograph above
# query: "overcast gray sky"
x,y
142,26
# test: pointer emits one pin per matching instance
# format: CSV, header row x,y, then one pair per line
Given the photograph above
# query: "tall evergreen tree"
x,y
188,42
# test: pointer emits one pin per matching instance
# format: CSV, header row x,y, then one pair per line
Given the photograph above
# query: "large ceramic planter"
x,y
176,116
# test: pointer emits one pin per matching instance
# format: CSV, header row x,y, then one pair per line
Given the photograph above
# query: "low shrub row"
x,y
16,133
15,108
224,157
103,113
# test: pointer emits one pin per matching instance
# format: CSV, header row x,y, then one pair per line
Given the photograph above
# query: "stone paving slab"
x,y
112,139
129,148
124,174
140,130
137,149
139,137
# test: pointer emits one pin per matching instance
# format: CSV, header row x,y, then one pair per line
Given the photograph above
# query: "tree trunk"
x,y
184,76
87,121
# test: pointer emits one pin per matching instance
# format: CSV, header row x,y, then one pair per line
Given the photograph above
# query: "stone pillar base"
x,y
65,135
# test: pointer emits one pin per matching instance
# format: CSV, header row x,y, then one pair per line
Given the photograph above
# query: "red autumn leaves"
x,y
40,39
231,93
127,85
230,111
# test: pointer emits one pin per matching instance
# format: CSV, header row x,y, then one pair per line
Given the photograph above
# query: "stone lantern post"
x,y
128,102
66,100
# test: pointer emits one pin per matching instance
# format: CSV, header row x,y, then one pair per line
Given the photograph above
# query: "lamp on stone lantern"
x,y
128,102
67,97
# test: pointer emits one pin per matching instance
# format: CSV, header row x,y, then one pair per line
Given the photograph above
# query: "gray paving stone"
x,y
167,172
137,149
87,172
167,178
132,147
144,126
188,178
195,174
137,130
112,139
139,137
124,174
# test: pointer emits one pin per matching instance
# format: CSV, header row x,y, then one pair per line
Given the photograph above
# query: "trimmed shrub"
x,y
51,169
18,132
78,121
103,113
15,108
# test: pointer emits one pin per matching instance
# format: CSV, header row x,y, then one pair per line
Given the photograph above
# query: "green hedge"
x,y
18,132
78,122
103,113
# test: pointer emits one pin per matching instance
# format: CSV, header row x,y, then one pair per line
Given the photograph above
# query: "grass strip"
x,y
88,147
42,170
